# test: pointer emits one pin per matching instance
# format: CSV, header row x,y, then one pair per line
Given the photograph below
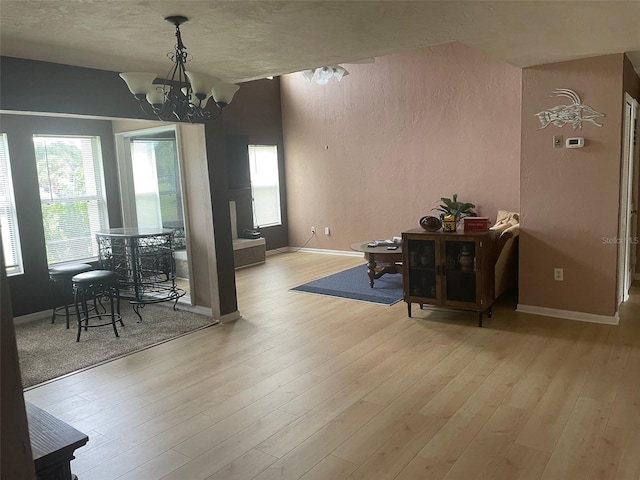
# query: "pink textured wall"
x,y
368,156
570,197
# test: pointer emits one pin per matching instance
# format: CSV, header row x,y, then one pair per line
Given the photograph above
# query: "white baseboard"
x,y
187,307
347,253
249,265
278,251
569,315
230,317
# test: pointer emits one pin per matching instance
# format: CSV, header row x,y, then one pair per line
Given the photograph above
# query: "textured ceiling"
x,y
245,40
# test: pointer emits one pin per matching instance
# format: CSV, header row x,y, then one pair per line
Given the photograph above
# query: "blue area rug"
x,y
354,284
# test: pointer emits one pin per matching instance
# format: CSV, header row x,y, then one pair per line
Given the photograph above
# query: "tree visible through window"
x,y
265,185
8,219
71,194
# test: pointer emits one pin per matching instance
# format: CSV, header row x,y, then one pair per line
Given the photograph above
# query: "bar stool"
x,y
61,288
96,283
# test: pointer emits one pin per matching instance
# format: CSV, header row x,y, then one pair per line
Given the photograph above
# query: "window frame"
x,y
176,191
12,214
99,197
277,185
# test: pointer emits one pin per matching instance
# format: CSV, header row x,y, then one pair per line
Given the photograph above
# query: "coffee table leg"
x,y
372,271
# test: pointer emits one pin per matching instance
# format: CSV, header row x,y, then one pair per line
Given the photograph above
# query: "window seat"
x,y
249,251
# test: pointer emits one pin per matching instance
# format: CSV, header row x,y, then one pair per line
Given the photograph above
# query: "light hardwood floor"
x,y
311,387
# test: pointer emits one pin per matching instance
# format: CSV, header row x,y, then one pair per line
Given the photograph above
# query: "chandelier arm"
x,y
169,79
149,109
176,80
208,114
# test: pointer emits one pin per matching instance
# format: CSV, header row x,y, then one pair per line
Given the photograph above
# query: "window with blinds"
x,y
72,196
265,185
8,218
156,181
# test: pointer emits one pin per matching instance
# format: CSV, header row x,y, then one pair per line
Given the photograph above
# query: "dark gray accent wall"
x,y
237,153
255,115
214,138
44,87
30,291
32,86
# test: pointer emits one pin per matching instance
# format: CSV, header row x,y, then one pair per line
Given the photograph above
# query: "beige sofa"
x,y
507,228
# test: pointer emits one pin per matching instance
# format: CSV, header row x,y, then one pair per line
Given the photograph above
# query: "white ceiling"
x,y
245,40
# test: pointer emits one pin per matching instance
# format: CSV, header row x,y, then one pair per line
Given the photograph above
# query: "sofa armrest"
x,y
506,260
504,237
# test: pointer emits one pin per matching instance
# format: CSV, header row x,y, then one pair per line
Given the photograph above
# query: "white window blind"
x,y
8,218
71,194
156,181
145,184
265,185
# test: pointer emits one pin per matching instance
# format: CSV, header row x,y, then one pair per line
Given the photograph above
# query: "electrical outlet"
x,y
327,231
558,274
313,230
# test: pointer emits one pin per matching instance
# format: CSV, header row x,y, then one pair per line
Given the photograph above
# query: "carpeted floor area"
x,y
354,284
47,351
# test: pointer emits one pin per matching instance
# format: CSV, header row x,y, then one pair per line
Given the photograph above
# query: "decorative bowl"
x,y
430,224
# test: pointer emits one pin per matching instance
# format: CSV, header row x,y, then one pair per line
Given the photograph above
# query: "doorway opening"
x,y
151,189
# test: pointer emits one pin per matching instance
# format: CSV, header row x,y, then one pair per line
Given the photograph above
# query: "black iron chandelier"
x,y
183,95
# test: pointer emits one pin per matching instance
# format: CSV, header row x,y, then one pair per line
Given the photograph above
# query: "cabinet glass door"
x,y
460,271
422,268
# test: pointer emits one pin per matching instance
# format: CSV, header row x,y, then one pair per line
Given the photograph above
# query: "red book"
x,y
476,223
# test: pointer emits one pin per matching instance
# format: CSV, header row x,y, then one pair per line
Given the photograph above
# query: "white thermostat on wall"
x,y
574,142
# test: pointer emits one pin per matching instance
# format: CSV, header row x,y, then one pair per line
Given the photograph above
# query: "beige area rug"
x,y
47,351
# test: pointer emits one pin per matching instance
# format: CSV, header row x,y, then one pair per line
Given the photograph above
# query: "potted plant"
x,y
452,211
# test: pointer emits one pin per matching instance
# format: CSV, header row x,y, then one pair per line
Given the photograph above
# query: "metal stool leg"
x,y
66,313
76,293
56,291
117,291
113,313
95,306
85,308
53,295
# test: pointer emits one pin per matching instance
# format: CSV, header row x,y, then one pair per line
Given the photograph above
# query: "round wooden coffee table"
x,y
380,260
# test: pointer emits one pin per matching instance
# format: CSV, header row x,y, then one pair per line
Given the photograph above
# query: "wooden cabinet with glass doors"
x,y
449,269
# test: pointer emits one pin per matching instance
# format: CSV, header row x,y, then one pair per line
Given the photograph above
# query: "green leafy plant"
x,y
451,206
